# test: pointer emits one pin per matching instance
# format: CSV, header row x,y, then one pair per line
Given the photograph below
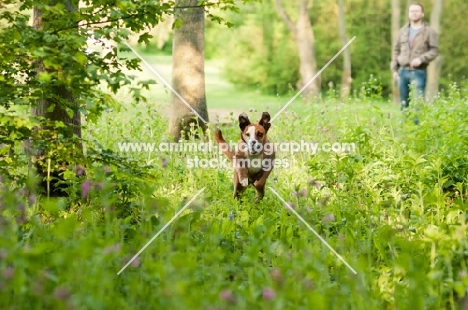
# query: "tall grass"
x,y
395,210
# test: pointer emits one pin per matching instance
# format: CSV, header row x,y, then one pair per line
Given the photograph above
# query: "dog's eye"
x,y
247,134
259,134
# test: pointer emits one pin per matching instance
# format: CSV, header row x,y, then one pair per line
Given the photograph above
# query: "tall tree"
x,y
45,66
346,77
188,69
396,16
57,106
53,105
304,37
433,70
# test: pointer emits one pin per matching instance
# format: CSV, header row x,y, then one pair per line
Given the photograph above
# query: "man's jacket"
x,y
425,46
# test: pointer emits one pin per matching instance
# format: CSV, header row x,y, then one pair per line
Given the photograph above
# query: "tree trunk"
x,y
396,15
304,36
433,70
188,70
51,107
346,77
268,43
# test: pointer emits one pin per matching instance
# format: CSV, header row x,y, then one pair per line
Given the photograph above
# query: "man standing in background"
x,y
415,48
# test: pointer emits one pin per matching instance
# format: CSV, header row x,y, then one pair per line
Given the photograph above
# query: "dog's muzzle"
x,y
255,147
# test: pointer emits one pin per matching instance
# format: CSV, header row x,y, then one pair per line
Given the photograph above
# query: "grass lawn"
x,y
224,97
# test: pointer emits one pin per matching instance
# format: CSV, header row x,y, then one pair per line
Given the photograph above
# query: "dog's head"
x,y
254,135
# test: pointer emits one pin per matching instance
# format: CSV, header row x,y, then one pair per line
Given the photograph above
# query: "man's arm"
x,y
433,51
394,66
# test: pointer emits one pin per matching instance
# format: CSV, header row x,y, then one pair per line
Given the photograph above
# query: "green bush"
x,y
394,208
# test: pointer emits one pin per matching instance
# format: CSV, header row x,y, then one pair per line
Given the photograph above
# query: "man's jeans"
x,y
407,77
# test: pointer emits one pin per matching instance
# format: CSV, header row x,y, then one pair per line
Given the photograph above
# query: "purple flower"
x,y
61,293
3,254
38,288
112,248
22,219
328,218
80,171
164,162
268,293
32,199
276,274
301,193
228,296
85,187
20,207
315,183
136,262
107,250
8,273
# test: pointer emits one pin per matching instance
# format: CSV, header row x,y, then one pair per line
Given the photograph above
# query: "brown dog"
x,y
254,159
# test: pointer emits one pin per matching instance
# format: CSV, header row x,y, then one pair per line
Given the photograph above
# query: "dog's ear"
x,y
265,121
243,121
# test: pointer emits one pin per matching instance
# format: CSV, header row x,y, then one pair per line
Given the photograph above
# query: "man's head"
x,y
416,12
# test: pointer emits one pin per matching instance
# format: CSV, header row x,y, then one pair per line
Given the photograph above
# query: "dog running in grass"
x,y
254,157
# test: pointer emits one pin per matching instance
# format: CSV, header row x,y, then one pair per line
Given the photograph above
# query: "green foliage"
x,y
48,60
264,59
260,62
60,47
394,209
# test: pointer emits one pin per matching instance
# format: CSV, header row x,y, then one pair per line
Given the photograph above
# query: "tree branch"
x,y
284,16
206,5
303,4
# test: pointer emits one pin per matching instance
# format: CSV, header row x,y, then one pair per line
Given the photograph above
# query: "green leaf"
x,y
177,23
81,58
145,38
44,77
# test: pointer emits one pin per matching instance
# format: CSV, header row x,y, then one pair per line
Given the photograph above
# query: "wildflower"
x,y
111,249
61,293
276,274
315,183
3,254
80,171
268,293
99,185
85,187
136,262
38,288
21,219
301,193
8,273
32,199
228,296
327,218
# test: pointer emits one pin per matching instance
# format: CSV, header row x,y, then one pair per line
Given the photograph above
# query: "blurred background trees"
x,y
262,53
